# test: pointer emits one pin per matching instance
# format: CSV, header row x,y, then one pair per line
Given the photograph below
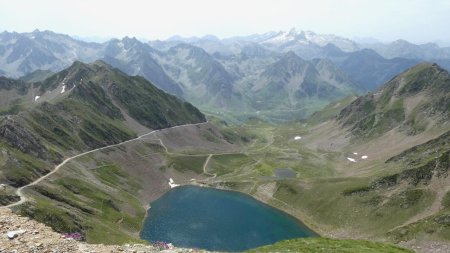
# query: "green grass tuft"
x,y
326,245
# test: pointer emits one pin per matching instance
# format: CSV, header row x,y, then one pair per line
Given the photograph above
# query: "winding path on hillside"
x,y
23,198
205,165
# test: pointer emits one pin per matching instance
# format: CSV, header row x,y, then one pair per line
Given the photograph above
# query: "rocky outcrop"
x,y
13,133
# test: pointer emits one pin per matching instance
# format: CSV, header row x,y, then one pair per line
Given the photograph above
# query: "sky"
x,y
386,20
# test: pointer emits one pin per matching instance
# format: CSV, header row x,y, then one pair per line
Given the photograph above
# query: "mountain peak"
x,y
422,67
367,53
210,37
414,101
130,42
194,51
37,32
424,76
79,65
310,33
291,54
293,32
79,72
294,38
401,42
289,63
130,39
331,50
102,64
292,58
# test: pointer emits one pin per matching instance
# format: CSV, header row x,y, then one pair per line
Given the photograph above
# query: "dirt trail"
x,y
23,198
165,147
205,165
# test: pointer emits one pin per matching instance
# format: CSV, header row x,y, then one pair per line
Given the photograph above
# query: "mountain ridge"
x,y
292,82
410,99
216,78
77,108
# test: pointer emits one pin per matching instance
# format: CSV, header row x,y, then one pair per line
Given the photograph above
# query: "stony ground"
x,y
31,236
426,246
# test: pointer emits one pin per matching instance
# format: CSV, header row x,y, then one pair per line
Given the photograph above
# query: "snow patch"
x,y
308,37
297,138
63,89
355,153
351,159
364,157
36,98
172,183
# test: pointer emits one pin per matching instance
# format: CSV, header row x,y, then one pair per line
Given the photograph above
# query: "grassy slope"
x,y
325,198
98,198
83,119
379,112
325,245
105,211
67,125
330,111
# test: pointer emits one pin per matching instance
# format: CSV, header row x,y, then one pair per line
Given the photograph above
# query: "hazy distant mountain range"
x,y
259,73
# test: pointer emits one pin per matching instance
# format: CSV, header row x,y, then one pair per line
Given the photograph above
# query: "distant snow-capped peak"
x,y
309,37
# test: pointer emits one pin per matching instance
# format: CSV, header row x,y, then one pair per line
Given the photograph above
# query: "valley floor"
x,y
325,193
123,179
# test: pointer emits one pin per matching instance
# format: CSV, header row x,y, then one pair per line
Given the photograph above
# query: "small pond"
x,y
285,173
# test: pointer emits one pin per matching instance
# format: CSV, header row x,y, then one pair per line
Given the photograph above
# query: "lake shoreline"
x,y
240,212
313,227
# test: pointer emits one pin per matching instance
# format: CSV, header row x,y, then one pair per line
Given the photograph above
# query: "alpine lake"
x,y
211,219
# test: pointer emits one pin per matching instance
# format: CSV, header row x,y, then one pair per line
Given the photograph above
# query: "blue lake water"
x,y
205,218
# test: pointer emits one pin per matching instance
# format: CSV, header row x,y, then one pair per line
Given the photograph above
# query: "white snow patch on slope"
x,y
63,89
297,138
172,183
36,98
364,157
351,159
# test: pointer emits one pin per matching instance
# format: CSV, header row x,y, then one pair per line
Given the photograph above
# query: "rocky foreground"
x,y
21,234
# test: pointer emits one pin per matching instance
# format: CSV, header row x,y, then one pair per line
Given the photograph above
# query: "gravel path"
x,y
23,198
